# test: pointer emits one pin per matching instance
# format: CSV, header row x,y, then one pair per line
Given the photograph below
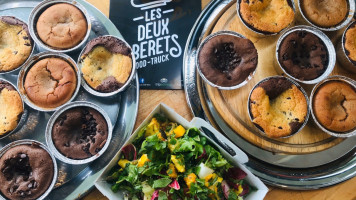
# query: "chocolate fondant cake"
x,y
303,55
26,172
80,133
227,60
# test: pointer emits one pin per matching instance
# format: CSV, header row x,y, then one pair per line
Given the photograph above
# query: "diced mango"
x,y
178,163
179,131
239,191
191,178
141,162
172,172
213,186
122,163
152,127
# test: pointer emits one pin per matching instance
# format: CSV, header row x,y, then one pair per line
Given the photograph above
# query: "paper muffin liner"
x,y
28,65
30,142
91,90
39,9
344,79
329,47
342,56
230,33
250,30
294,83
32,51
347,19
53,119
23,117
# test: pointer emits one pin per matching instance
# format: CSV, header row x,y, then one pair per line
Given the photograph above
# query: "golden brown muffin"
x,y
11,108
62,26
15,43
50,82
106,64
350,42
268,15
278,107
334,106
325,13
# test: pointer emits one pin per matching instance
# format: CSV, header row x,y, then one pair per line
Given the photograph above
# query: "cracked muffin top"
x,y
278,107
269,16
15,43
350,42
325,13
62,26
50,82
11,108
106,64
334,106
26,172
80,133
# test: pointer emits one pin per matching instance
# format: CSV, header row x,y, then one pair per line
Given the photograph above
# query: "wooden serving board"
x,y
232,104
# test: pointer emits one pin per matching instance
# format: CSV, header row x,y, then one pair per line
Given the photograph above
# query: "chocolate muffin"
x,y
106,64
11,108
227,60
334,106
15,43
51,82
350,43
26,172
80,133
269,16
303,55
325,13
62,26
278,107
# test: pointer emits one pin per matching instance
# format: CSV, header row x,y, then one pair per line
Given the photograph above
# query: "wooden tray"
x,y
232,104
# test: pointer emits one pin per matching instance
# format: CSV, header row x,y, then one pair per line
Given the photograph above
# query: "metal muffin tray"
x,y
301,172
75,180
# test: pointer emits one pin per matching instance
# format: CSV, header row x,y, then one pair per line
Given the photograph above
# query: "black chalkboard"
x,y
157,32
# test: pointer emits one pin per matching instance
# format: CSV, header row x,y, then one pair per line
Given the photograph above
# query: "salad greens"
x,y
166,161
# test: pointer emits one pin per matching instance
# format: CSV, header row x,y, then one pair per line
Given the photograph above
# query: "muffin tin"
x,y
121,109
308,160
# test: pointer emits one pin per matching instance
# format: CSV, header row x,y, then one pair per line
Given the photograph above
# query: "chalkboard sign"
x,y
157,32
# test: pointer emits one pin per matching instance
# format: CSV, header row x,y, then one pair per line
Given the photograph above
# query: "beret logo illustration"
x,y
149,5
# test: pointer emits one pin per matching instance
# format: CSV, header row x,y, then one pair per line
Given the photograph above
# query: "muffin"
x,y
303,55
26,172
269,16
80,133
106,64
15,43
11,108
50,82
227,60
350,43
278,107
334,106
62,26
325,13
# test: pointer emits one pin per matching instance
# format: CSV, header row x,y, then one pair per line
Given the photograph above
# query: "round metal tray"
x,y
308,171
75,180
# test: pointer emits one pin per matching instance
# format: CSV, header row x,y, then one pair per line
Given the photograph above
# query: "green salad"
x,y
167,161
